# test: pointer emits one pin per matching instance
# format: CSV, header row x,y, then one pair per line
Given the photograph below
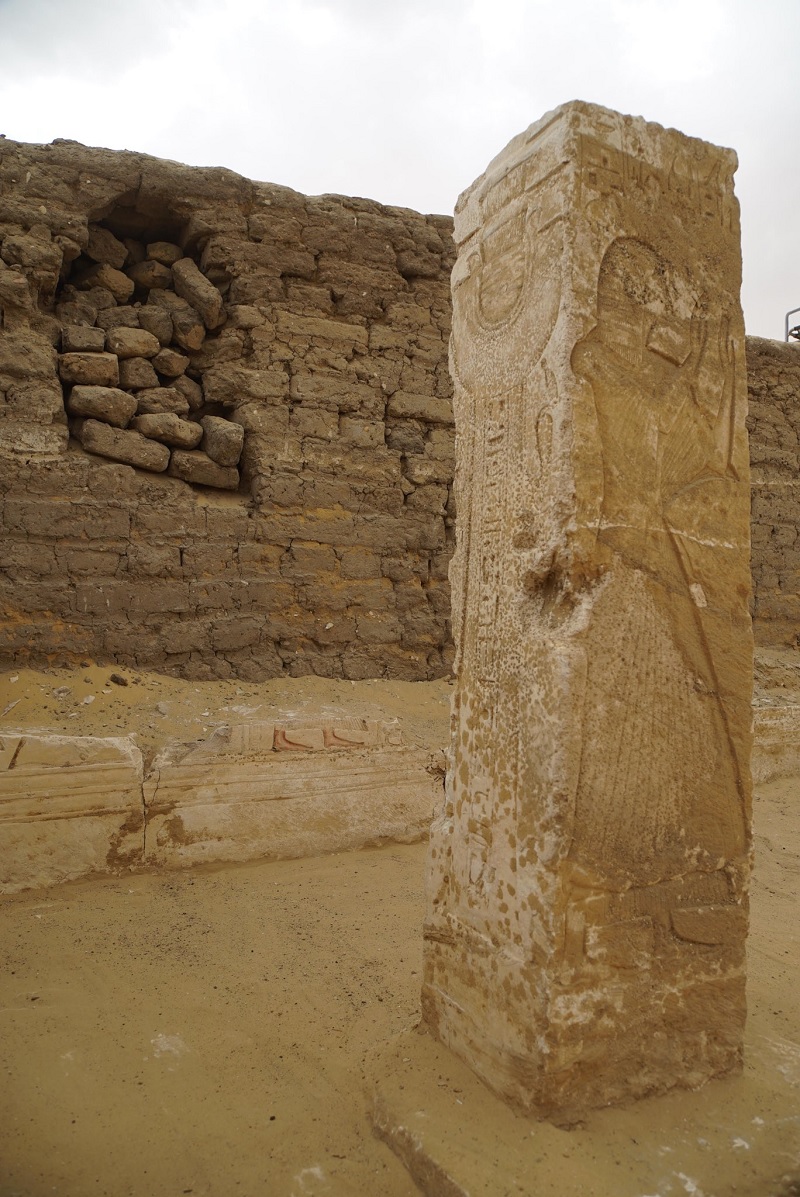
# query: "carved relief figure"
x,y
659,366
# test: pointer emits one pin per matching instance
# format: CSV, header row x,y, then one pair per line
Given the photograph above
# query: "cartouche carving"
x,y
587,882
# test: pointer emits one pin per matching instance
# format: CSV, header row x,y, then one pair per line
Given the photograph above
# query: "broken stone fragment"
x,y
78,338
188,329
114,281
193,286
127,446
161,399
170,362
164,252
170,429
191,390
222,440
94,369
156,321
136,373
102,403
103,246
150,275
197,467
132,342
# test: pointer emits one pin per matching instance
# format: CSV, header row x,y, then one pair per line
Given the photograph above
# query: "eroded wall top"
x,y
327,358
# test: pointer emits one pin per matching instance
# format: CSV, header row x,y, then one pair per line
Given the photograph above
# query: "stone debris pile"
x,y
132,315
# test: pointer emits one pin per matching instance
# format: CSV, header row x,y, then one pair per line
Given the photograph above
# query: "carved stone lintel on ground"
x,y
283,788
586,919
69,806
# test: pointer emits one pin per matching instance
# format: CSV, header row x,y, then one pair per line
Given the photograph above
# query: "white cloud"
x,y
408,101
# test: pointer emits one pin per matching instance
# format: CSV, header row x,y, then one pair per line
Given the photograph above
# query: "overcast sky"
x,y
406,101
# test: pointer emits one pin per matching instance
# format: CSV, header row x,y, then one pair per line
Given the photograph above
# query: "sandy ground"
x,y
205,1032
158,709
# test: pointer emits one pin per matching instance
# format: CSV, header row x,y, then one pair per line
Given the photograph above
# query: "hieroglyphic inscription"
x,y
704,185
587,898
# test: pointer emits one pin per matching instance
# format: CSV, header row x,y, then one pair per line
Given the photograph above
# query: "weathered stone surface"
x,y
234,384
773,370
132,342
191,391
78,338
776,742
16,299
197,467
123,445
283,789
103,246
584,939
193,286
157,321
72,311
151,275
93,369
420,407
159,399
69,806
170,363
102,403
170,429
121,315
164,252
137,373
188,329
119,286
222,440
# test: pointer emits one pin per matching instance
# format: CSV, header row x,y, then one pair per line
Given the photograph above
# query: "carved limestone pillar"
x,y
586,909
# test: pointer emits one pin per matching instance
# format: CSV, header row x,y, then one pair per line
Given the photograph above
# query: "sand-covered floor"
x,y
205,1032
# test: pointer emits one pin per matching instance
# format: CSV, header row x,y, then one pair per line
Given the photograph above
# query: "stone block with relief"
x,y
70,806
587,896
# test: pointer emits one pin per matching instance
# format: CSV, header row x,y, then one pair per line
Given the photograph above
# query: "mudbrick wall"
x,y
226,434
773,379
149,309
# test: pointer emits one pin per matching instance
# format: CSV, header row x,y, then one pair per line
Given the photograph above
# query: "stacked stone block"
x,y
123,362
